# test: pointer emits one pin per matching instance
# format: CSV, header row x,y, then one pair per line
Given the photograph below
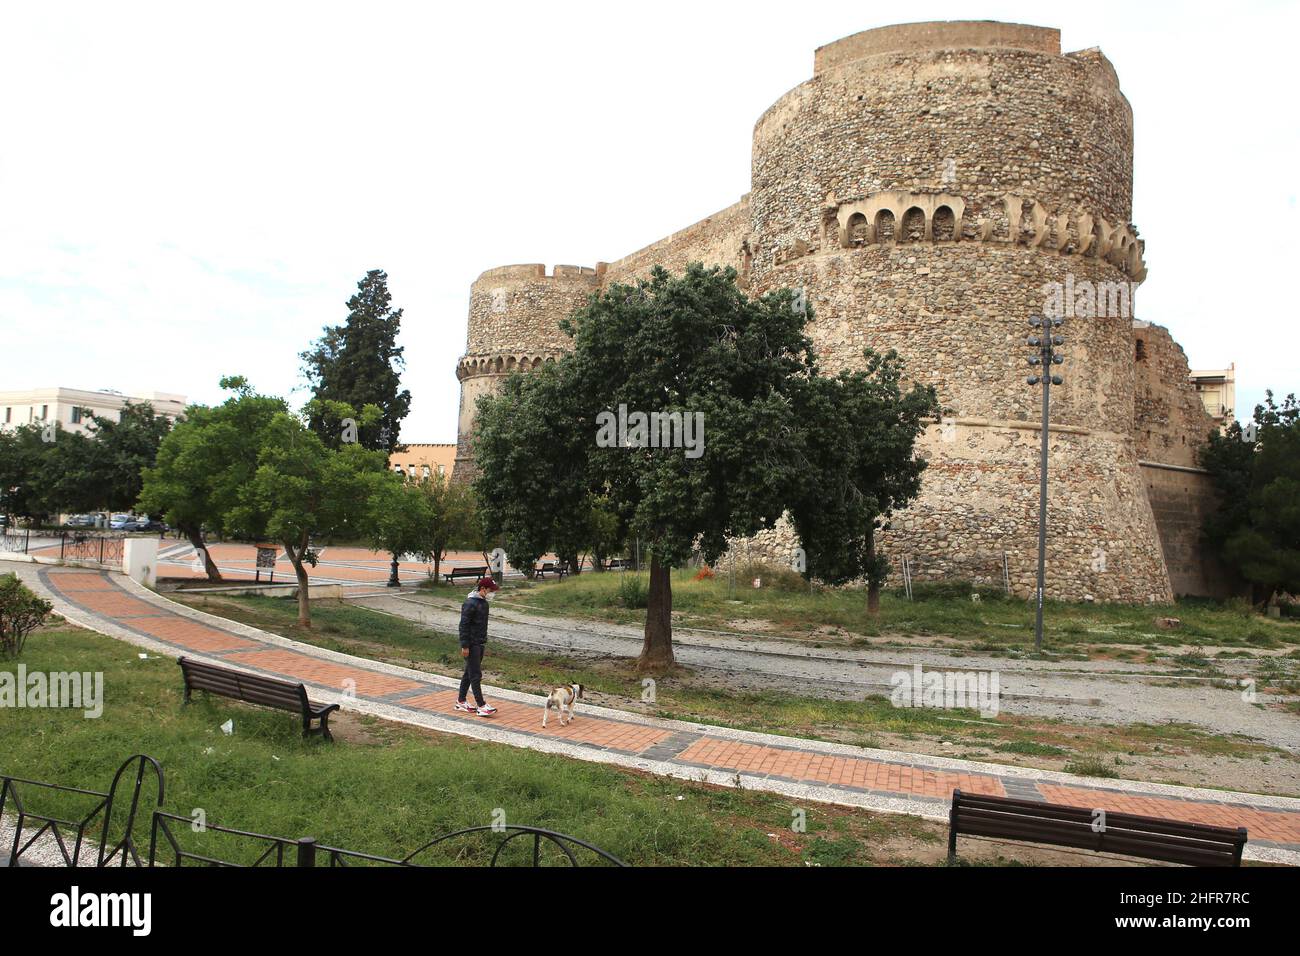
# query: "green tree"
x,y
450,519
204,463
21,612
858,464
119,453
693,346
359,363
1256,529
303,490
45,469
533,468
398,519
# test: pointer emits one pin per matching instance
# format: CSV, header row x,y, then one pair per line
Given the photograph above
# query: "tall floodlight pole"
x,y
1047,342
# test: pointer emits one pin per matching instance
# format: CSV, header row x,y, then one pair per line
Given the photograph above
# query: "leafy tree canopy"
x,y
359,363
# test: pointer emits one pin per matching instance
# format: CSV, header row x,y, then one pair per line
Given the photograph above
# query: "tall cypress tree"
x,y
359,363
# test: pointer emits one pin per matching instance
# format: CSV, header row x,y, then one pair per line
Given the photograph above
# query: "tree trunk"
x,y
437,565
304,594
873,582
195,537
657,651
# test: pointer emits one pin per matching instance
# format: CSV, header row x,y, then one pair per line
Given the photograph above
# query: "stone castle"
x,y
930,188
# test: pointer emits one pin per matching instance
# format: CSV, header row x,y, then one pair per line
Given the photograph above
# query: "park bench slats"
x,y
466,571
558,568
1126,834
257,689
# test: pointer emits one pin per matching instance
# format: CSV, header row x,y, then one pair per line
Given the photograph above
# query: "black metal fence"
x,y
95,811
15,539
89,546
116,819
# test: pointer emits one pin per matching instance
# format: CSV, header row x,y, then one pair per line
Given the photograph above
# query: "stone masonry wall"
x,y
1169,419
928,188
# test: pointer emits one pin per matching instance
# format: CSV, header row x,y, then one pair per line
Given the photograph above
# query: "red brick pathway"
x,y
789,760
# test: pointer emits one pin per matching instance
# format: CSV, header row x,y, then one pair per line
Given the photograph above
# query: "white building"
x,y
74,407
1218,391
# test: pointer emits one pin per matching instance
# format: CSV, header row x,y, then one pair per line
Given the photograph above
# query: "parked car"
x,y
144,524
118,522
80,521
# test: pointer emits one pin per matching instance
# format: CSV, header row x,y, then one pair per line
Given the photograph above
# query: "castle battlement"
x,y
941,35
535,270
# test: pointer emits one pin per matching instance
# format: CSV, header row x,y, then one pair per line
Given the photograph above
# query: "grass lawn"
x,y
1093,749
386,788
996,623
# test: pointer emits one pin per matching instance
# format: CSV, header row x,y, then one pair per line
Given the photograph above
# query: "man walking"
x,y
473,638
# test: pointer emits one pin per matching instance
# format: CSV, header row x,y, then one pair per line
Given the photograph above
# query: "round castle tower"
x,y
514,323
931,187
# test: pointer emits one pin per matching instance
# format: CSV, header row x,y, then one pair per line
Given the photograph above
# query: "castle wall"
x,y
1181,498
720,239
928,188
957,315
1169,419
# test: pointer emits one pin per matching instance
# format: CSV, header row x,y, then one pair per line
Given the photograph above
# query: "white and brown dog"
x,y
565,700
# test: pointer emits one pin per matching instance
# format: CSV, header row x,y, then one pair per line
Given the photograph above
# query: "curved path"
x,y
880,780
1115,692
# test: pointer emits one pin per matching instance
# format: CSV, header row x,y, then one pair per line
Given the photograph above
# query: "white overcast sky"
x,y
190,190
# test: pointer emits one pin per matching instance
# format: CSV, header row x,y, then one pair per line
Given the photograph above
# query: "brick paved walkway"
x,y
803,769
336,564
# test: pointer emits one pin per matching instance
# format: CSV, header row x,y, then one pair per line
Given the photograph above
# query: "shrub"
x,y
21,612
956,590
773,576
634,591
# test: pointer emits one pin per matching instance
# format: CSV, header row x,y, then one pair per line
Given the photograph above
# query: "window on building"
x,y
45,412
1140,351
75,417
9,414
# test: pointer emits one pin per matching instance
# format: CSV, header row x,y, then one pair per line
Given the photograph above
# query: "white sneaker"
x,y
464,706
487,710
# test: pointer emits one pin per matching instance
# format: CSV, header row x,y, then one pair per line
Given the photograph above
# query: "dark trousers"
x,y
473,676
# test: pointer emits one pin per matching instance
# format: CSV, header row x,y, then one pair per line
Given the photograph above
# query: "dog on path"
x,y
565,700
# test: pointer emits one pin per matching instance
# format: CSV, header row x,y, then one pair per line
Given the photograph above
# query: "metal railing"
x,y
63,829
103,549
15,540
165,829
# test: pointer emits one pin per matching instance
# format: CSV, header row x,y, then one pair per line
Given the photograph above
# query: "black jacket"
x,y
473,621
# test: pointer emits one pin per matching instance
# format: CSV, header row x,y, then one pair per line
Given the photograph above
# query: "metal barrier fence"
x,y
103,549
166,829
15,539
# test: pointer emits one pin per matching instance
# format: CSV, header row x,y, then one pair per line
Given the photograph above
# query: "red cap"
x,y
488,583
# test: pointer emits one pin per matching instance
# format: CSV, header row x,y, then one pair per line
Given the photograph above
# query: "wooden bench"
x,y
465,572
1127,834
256,689
558,568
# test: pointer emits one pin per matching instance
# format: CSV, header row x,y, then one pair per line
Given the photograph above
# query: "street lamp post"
x,y
1046,342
